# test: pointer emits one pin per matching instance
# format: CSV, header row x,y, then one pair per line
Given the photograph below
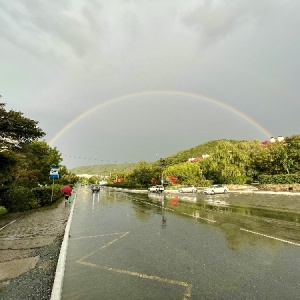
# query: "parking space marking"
x,y
187,286
271,237
81,261
123,234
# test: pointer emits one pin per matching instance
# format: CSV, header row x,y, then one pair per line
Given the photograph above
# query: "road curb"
x,y
60,268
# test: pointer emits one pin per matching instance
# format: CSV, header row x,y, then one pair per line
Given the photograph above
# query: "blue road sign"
x,y
54,172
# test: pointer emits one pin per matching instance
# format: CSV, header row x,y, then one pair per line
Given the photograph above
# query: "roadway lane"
x,y
127,246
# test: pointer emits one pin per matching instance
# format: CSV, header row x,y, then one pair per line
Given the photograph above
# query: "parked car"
x,y
156,189
95,188
188,189
216,189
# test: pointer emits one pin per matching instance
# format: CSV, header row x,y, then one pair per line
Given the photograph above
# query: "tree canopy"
x,y
26,161
16,130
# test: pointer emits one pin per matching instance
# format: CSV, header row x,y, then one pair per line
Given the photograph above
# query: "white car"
x,y
216,189
188,189
156,189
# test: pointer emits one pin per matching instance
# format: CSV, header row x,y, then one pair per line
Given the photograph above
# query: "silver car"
x,y
216,189
188,189
156,189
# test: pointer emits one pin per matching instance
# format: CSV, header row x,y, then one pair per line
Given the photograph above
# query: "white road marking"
x,y
60,268
99,235
271,237
188,286
81,261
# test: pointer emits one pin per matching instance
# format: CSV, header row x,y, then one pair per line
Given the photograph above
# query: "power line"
x,y
99,160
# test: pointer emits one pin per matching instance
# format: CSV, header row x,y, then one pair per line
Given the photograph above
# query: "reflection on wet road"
x,y
156,246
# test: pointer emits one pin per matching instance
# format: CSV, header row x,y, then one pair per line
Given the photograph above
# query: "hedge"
x,y
19,199
23,198
43,194
279,179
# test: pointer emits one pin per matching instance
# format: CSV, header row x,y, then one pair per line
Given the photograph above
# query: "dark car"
x,y
95,188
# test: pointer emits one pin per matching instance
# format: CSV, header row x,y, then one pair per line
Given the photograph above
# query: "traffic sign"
x,y
54,172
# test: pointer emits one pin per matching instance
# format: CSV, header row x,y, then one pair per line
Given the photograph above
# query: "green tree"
x,y
66,177
186,173
16,130
34,162
8,161
143,174
93,180
275,158
293,153
231,162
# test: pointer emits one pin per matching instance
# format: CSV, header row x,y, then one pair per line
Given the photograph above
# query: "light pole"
x,y
162,163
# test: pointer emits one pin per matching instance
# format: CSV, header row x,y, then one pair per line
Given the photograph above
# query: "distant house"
x,y
118,180
265,143
85,175
279,139
196,159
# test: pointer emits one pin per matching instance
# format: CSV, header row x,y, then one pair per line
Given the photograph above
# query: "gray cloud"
x,y
215,20
61,58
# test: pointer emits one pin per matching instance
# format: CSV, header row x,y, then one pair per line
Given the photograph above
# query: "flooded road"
x,y
139,246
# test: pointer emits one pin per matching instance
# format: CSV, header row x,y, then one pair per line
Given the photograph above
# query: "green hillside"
x,y
103,169
179,157
196,151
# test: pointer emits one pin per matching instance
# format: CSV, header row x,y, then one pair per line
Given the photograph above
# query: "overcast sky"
x,y
146,79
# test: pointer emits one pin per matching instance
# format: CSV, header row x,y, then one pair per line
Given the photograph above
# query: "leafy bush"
x,y
205,183
19,199
128,185
44,194
3,189
238,180
3,210
279,179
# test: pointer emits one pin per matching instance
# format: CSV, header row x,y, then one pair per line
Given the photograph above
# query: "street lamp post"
x,y
162,163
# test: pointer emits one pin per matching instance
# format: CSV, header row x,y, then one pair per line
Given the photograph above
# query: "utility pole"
x,y
162,164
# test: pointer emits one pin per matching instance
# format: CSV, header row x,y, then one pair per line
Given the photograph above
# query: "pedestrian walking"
x,y
67,191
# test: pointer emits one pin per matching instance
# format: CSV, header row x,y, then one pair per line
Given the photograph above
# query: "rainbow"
x,y
160,92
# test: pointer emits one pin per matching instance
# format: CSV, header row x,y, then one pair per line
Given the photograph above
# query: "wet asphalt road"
x,y
132,246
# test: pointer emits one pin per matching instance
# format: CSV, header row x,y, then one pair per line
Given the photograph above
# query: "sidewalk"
x,y
29,249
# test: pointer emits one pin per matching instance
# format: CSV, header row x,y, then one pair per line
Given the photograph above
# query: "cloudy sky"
x,y
128,80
